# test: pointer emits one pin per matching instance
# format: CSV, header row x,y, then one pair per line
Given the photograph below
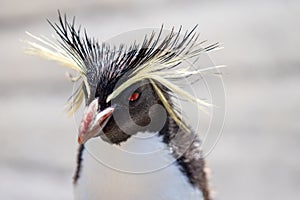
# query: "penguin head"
x,y
125,89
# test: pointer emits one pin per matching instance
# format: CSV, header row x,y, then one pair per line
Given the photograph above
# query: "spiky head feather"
x,y
157,59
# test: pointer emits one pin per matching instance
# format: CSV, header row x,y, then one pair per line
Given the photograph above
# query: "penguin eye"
x,y
134,96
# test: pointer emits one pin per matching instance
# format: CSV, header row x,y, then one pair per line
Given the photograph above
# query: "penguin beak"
x,y
93,122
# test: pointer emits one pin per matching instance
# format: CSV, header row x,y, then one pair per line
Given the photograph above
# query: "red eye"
x,y
134,96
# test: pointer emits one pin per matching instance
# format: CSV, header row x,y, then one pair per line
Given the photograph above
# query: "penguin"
x,y
133,141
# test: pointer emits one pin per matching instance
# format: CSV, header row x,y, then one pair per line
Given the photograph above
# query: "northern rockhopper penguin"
x,y
134,143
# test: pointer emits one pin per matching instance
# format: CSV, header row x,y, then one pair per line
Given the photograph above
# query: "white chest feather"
x,y
139,169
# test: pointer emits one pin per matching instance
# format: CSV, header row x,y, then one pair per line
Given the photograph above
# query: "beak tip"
x,y
79,140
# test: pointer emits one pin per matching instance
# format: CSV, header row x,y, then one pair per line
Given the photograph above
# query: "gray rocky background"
x,y
257,156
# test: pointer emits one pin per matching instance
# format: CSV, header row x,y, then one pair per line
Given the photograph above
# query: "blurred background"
x,y
257,156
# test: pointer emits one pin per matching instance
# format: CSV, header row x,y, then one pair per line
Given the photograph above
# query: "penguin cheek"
x,y
140,115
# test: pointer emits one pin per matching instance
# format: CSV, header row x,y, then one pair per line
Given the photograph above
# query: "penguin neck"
x,y
141,168
140,143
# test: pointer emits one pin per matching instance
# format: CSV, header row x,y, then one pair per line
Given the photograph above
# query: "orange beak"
x,y
93,122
